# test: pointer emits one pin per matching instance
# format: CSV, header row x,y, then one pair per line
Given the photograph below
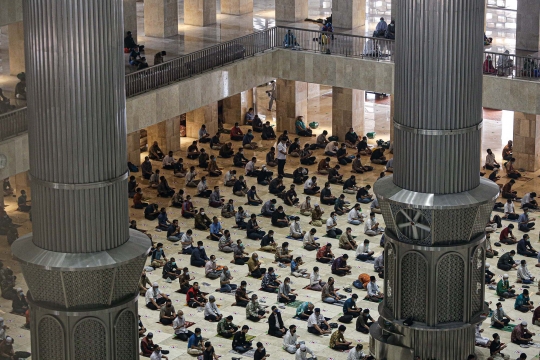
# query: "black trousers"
x,y
281,166
184,336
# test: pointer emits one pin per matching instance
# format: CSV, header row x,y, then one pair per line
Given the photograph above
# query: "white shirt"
x,y
168,160
526,199
302,355
201,187
281,147
190,176
355,355
180,323
330,147
369,224
186,241
354,215
490,159
250,166
308,239
211,309
314,278
308,184
295,228
228,176
362,249
289,339
523,273
372,289
152,294
314,320
509,208
156,355
329,223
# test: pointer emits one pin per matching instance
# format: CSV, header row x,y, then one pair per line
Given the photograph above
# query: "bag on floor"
x,y
333,138
498,205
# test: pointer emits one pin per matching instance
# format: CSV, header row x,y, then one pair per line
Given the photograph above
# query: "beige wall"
x,y
10,11
16,48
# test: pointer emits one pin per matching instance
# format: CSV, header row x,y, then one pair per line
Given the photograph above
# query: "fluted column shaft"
x,y
77,125
438,95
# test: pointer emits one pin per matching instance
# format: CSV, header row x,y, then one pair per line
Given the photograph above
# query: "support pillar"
x,y
207,115
314,90
161,18
527,141
16,47
235,107
291,10
199,12
291,102
236,7
347,111
166,133
528,25
392,119
348,14
22,182
130,18
81,263
134,147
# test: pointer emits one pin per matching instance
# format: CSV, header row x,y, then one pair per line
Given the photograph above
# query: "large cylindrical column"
x,y
435,205
81,263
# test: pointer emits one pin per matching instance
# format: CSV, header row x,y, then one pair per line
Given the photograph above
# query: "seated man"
x,y
167,313
507,191
528,201
226,244
22,202
371,226
198,255
309,242
363,196
305,207
282,253
296,229
363,147
194,297
491,163
254,311
346,240
268,208
252,197
340,267
331,226
342,156
241,295
317,324
524,276
193,151
316,216
240,187
300,127
504,289
269,282
173,232
291,197
240,218
239,159
247,140
279,219
216,230
155,298
304,310
324,254
226,151
525,248
523,302
351,139
310,187
239,254
521,335
226,328
509,211
329,294
373,292
215,199
321,140
285,293
340,206
326,196
506,261
257,124
358,167
267,242
306,156
202,221
506,236
377,157
271,157
364,321
268,132
239,343
524,223
215,143
334,177
236,133
254,231
331,149
500,319
323,166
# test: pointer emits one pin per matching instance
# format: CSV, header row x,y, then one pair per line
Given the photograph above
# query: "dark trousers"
x,y
256,319
159,301
241,303
281,166
345,161
527,340
258,273
165,321
312,191
241,261
237,137
489,167
310,247
291,299
526,228
256,235
278,190
364,257
184,336
499,326
308,161
339,272
324,260
197,263
334,233
341,347
312,330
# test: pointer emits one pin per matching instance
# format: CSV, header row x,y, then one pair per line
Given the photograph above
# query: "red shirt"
x,y
236,131
504,233
192,294
322,252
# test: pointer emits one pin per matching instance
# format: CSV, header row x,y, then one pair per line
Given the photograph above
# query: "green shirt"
x,y
224,326
253,308
502,287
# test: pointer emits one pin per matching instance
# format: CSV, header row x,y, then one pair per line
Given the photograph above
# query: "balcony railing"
x,y
186,66
13,123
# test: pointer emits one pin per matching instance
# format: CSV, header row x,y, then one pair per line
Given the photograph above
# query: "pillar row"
x,y
130,17
207,115
161,18
199,12
392,119
348,14
291,102
16,47
166,133
527,141
291,10
236,7
347,111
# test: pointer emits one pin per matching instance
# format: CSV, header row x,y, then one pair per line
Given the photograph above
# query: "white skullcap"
x,y
524,323
302,346
505,276
487,265
155,284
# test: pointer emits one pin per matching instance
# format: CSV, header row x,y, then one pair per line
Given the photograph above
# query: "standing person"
x,y
282,156
271,94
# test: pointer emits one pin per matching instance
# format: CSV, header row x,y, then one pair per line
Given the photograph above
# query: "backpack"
x,y
132,167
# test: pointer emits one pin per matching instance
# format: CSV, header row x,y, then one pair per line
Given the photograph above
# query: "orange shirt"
x,y
364,279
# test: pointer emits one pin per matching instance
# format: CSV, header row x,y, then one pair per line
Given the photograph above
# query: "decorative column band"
x,y
94,185
438,132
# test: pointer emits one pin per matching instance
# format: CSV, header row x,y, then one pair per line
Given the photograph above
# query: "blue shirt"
x,y
303,307
215,228
194,340
247,139
300,124
162,218
293,266
348,304
520,301
523,218
157,254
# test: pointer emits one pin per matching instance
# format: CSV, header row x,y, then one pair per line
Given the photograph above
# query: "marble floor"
x,y
497,125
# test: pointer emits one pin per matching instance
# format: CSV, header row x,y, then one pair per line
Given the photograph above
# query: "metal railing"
x,y
183,67
13,123
514,66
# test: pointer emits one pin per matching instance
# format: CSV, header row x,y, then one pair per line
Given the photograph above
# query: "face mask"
x,y
201,247
186,273
256,258
335,217
241,245
202,212
173,264
228,272
213,260
143,276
